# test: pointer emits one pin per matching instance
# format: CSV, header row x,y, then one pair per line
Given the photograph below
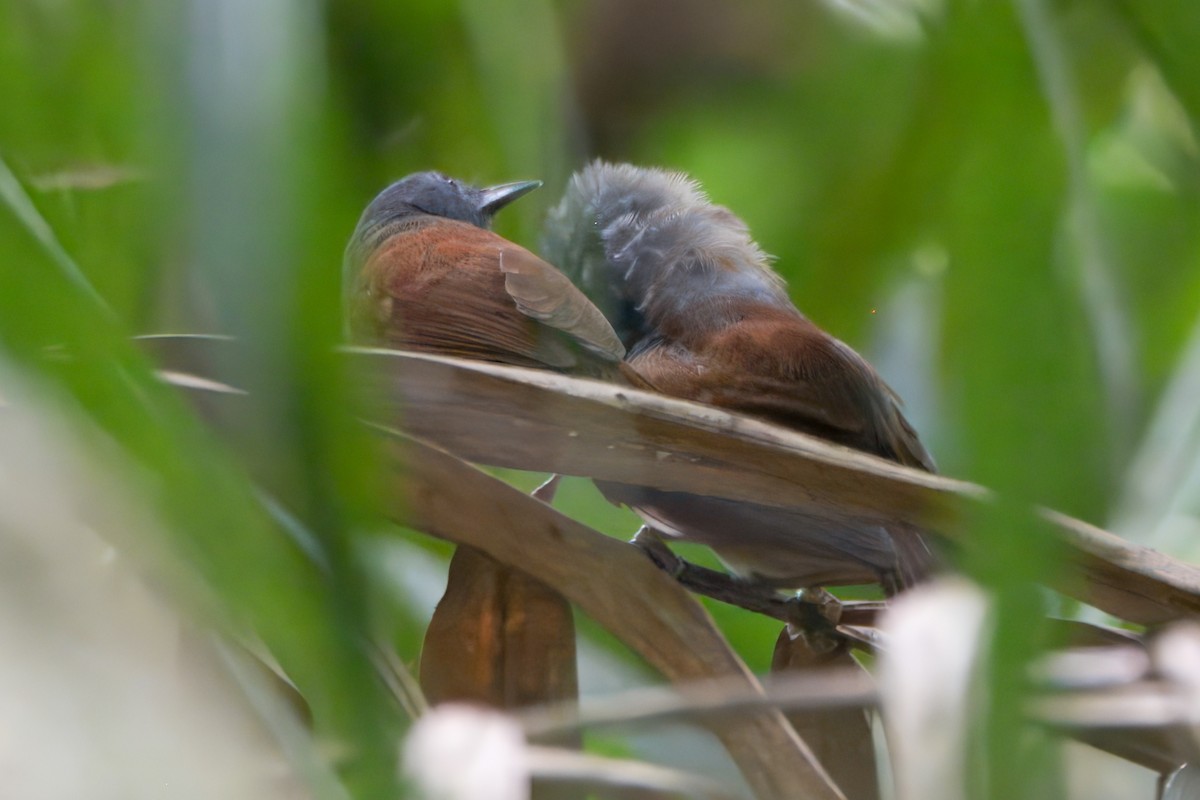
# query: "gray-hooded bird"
x,y
704,317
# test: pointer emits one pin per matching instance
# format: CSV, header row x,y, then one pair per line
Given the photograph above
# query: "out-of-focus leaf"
x,y
621,779
1160,503
214,519
928,681
1182,784
21,207
95,652
1022,379
459,752
1088,252
519,59
1115,698
830,689
1167,31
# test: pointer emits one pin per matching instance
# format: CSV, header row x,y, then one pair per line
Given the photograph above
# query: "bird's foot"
x,y
822,601
814,615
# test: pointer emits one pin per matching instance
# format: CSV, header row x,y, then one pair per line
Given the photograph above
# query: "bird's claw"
x,y
653,546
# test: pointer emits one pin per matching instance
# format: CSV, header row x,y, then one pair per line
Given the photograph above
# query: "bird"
x,y
423,271
704,317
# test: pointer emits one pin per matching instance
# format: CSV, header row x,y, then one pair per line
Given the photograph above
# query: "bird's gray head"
x,y
429,194
441,196
424,194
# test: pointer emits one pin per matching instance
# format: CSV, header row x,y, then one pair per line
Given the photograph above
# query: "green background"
x,y
996,202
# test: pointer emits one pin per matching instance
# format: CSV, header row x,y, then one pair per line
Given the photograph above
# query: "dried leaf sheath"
x,y
498,637
840,738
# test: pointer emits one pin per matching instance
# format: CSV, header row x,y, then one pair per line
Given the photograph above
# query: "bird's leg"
x,y
813,613
650,543
750,595
547,490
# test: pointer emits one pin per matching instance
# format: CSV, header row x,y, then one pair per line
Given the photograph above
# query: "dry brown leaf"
x,y
612,582
840,737
526,419
1146,722
498,637
541,421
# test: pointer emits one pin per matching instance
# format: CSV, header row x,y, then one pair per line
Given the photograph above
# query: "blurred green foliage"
x,y
1029,167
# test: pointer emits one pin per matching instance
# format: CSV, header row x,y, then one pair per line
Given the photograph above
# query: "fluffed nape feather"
x,y
621,232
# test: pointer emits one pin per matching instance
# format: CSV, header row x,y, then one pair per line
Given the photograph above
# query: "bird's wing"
x,y
862,416
902,439
543,293
852,407
456,289
439,289
801,379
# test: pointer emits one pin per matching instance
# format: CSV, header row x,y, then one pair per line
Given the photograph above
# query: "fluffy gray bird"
x,y
704,317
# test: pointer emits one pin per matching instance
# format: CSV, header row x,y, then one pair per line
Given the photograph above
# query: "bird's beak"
x,y
494,198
